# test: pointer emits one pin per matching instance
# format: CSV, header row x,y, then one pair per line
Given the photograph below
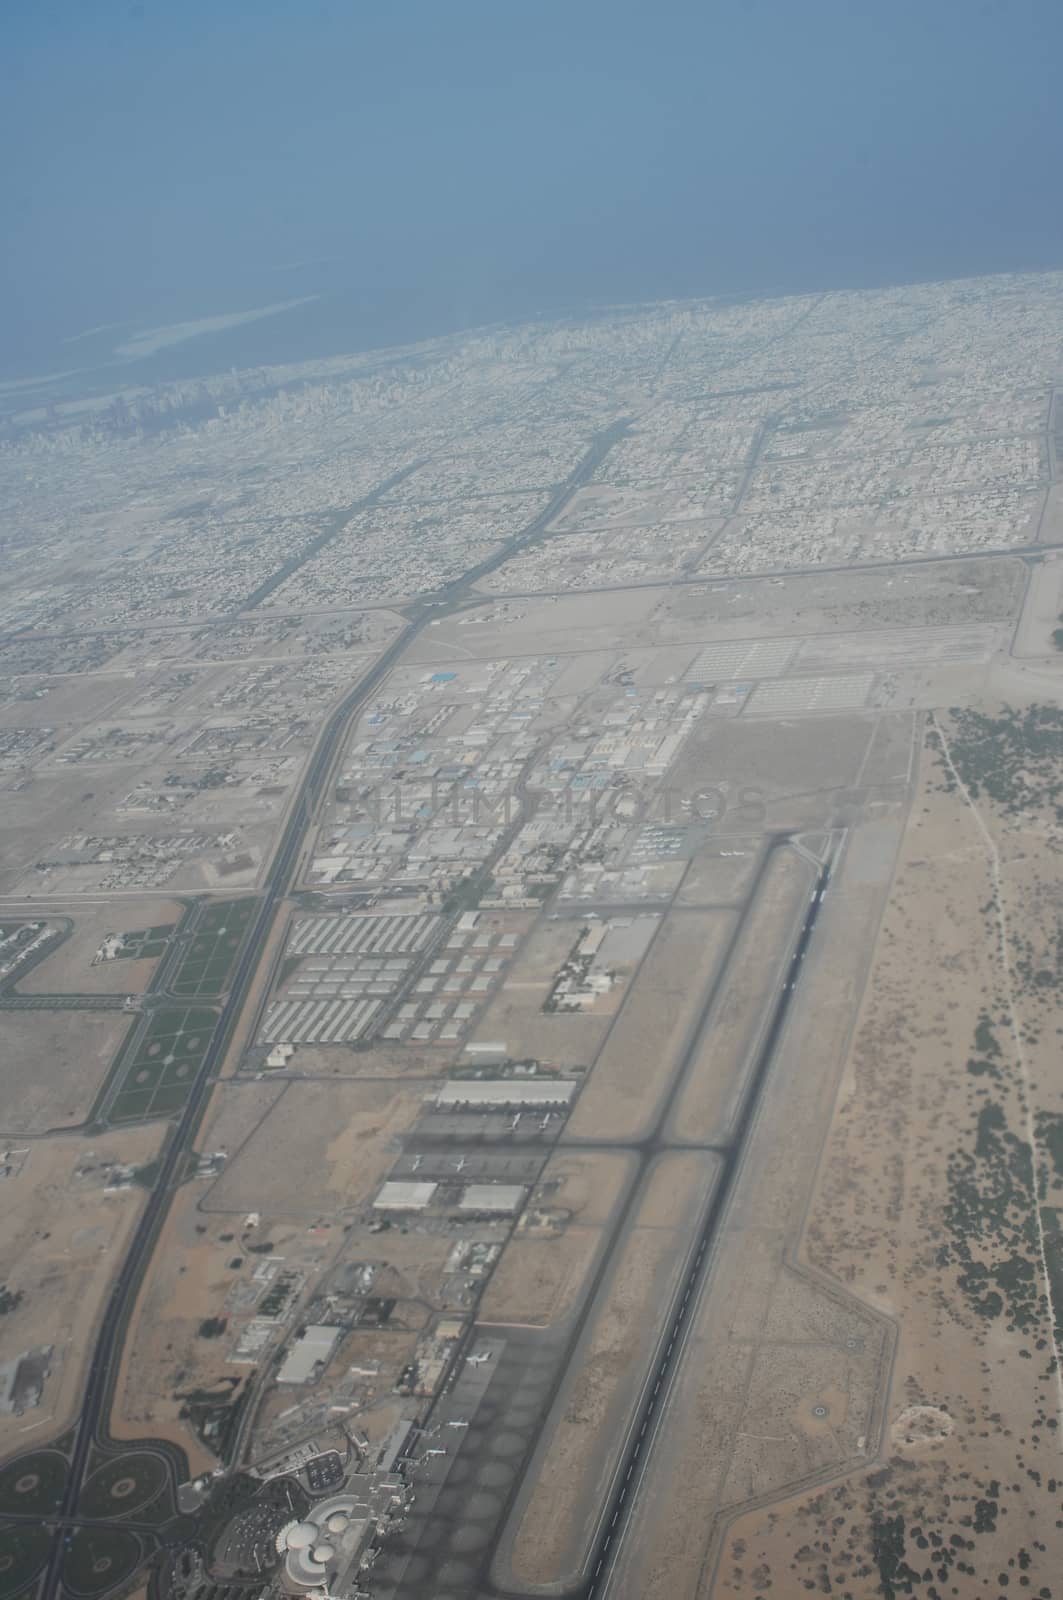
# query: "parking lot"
x,y
783,697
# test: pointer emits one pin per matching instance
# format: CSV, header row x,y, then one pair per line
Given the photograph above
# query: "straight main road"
x,y
107,1351
63,1002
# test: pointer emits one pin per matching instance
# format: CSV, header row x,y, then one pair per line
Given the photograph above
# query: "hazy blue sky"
x,y
440,162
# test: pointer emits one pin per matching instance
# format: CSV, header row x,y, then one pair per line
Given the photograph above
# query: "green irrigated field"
x,y
98,1559
124,1485
207,965
32,1485
158,1075
24,1550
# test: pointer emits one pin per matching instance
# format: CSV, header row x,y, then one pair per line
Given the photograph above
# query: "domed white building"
x,y
324,1545
298,1535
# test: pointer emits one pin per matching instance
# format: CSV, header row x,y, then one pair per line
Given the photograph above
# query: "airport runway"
x,y
627,1480
451,1556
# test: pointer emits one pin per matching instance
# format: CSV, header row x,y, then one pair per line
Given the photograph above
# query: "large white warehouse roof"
x,y
507,1092
399,1196
308,1353
498,1197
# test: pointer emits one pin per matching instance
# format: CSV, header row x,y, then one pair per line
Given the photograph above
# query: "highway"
x,y
99,1380
100,1377
335,524
673,1339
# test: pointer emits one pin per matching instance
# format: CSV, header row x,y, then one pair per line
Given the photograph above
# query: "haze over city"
x,y
425,168
531,790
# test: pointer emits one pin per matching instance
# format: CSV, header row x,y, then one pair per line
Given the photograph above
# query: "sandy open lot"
x,y
69,969
544,1266
202,1293
1040,613
776,774
69,702
62,1237
707,1098
52,1064
640,1057
952,591
721,873
516,1017
324,1147
379,1061
189,1313
236,1108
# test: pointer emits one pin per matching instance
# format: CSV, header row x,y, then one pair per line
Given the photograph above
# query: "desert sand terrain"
x,y
62,1233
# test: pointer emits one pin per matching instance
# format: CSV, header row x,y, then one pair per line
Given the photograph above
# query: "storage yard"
x,y
343,970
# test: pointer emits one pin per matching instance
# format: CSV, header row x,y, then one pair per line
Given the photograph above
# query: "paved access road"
x,y
99,1381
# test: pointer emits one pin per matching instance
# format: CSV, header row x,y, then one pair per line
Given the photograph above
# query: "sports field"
x,y
159,1073
204,972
